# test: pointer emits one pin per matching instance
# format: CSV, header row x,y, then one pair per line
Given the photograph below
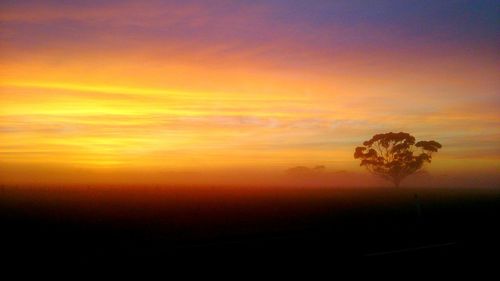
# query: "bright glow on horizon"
x,y
181,87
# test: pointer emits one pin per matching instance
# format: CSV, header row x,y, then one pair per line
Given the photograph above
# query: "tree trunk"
x,y
396,183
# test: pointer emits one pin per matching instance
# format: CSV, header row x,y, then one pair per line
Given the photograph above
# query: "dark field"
x,y
261,225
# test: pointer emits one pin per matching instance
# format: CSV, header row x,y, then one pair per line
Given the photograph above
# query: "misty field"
x,y
164,224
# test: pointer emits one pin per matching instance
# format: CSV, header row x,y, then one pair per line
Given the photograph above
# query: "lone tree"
x,y
394,156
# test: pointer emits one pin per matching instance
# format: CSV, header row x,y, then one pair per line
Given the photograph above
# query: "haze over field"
x,y
238,92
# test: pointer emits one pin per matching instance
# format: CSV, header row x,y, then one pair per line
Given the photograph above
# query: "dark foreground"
x,y
168,226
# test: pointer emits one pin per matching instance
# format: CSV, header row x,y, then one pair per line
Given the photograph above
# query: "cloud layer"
x,y
186,85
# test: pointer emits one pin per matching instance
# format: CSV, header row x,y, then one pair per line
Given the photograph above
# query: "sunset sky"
x,y
90,89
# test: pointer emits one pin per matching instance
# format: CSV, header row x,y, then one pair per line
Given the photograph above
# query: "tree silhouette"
x,y
394,156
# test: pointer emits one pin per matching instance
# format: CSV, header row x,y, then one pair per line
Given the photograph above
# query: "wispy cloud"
x,y
237,84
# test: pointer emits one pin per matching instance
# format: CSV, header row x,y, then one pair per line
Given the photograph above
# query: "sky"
x,y
199,91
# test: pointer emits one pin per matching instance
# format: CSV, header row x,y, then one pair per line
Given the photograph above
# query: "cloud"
x,y
262,84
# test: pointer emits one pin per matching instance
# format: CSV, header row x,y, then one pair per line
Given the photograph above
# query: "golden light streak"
x,y
145,97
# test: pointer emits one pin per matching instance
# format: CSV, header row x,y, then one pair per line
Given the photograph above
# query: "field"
x,y
158,225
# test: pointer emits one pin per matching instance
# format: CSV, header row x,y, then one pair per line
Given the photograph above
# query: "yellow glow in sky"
x,y
141,96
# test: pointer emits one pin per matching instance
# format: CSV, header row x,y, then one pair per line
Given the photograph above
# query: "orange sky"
x,y
163,88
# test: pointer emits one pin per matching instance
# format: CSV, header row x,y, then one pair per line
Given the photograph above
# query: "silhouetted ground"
x,y
268,225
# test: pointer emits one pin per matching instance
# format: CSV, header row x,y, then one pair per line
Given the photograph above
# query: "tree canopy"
x,y
394,156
